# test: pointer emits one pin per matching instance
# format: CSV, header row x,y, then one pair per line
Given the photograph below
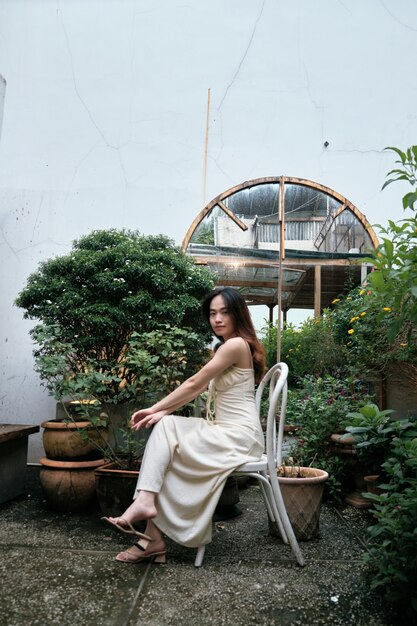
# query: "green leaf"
x,y
409,199
376,279
400,153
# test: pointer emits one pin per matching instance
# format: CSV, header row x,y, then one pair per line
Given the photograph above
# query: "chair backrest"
x,y
276,378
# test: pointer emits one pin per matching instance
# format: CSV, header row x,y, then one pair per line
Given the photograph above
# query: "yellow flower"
x,y
335,300
353,319
363,313
387,308
350,331
362,291
348,298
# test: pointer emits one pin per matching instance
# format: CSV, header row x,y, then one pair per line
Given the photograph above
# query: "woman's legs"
x,y
156,546
142,508
154,465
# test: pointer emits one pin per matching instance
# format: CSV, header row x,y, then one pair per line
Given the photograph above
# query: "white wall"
x,y
105,112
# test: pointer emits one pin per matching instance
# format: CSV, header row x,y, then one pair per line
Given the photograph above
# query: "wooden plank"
x,y
16,431
232,216
255,284
317,291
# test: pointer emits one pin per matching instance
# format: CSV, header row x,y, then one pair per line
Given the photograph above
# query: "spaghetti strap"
x,y
250,352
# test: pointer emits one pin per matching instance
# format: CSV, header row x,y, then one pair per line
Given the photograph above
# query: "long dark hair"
x,y
243,324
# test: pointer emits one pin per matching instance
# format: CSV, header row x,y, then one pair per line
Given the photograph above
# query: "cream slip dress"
x,y
188,459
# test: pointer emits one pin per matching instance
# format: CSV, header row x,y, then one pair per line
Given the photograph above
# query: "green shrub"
x,y
319,407
392,558
310,349
114,283
361,326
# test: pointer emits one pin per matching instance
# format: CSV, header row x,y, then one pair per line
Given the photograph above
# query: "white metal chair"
x,y
265,470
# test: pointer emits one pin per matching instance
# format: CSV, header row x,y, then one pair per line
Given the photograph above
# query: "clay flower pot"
x,y
344,446
372,482
63,441
69,486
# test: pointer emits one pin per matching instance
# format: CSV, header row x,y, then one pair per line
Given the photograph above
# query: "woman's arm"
x,y
227,355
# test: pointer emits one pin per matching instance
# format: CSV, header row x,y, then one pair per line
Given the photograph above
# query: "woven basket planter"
x,y
302,489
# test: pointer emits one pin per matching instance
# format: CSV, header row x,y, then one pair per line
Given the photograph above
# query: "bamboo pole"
x,y
206,147
281,225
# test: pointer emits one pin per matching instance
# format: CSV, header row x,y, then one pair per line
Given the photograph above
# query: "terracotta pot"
x,y
343,446
63,441
372,484
302,497
114,488
69,486
356,470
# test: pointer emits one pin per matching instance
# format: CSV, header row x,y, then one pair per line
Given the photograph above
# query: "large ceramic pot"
x,y
115,488
77,441
69,486
302,490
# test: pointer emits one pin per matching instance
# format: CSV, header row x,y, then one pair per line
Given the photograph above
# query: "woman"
x,y
187,460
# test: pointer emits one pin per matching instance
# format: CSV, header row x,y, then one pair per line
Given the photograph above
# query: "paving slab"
x,y
59,569
242,593
42,586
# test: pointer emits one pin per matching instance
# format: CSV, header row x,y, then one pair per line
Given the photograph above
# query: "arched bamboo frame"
x,y
282,181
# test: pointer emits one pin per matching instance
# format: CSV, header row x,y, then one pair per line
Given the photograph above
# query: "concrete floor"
x,y
59,569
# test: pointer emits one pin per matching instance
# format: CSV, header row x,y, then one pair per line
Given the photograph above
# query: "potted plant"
x,y
373,432
302,490
103,340
153,364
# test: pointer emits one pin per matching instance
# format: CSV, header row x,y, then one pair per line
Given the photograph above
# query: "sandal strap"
x,y
142,544
134,531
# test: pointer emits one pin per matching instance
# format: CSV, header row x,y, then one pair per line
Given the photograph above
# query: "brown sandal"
x,y
130,530
157,556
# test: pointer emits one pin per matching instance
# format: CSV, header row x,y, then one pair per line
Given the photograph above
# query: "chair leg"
x,y
268,497
200,556
285,520
267,501
271,505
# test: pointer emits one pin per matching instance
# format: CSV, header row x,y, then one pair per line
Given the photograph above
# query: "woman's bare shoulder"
x,y
236,344
236,341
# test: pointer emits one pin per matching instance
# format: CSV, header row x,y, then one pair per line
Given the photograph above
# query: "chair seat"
x,y
254,466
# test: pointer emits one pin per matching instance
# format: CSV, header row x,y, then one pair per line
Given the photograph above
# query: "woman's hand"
x,y
146,418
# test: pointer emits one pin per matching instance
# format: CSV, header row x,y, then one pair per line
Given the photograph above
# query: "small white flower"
x,y
334,599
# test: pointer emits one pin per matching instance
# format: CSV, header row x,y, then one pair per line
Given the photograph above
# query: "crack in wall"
x,y
36,219
358,151
345,7
245,54
394,17
86,108
318,107
80,98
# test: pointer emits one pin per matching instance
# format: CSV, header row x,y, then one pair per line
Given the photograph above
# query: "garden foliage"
x,y
114,283
369,333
